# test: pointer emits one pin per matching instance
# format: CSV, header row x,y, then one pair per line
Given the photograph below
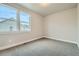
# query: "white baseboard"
x,y
20,43
73,42
77,45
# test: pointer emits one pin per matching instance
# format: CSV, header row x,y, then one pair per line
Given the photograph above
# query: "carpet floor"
x,y
43,47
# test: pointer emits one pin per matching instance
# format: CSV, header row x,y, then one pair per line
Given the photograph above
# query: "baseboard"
x,y
72,42
77,45
14,45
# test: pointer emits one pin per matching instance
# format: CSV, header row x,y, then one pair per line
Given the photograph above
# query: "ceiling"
x,y
46,9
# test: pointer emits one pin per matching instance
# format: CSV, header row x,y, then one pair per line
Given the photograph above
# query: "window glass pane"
x,y
24,21
7,18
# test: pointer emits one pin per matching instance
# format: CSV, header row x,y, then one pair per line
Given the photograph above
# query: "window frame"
x,y
17,20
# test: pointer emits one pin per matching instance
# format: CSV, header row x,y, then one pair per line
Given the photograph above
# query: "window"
x,y
12,20
24,21
7,19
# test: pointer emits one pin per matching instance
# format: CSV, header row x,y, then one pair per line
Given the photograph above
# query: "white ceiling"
x,y
51,8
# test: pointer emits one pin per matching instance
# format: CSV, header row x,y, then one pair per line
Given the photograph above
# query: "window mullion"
x,y
18,20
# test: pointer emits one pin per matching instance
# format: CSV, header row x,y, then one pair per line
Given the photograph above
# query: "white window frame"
x,y
18,21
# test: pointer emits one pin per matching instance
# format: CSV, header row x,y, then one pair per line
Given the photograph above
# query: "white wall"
x,y
7,39
62,25
78,24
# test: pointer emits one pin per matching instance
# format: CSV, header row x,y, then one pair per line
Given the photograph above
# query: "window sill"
x,y
9,33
